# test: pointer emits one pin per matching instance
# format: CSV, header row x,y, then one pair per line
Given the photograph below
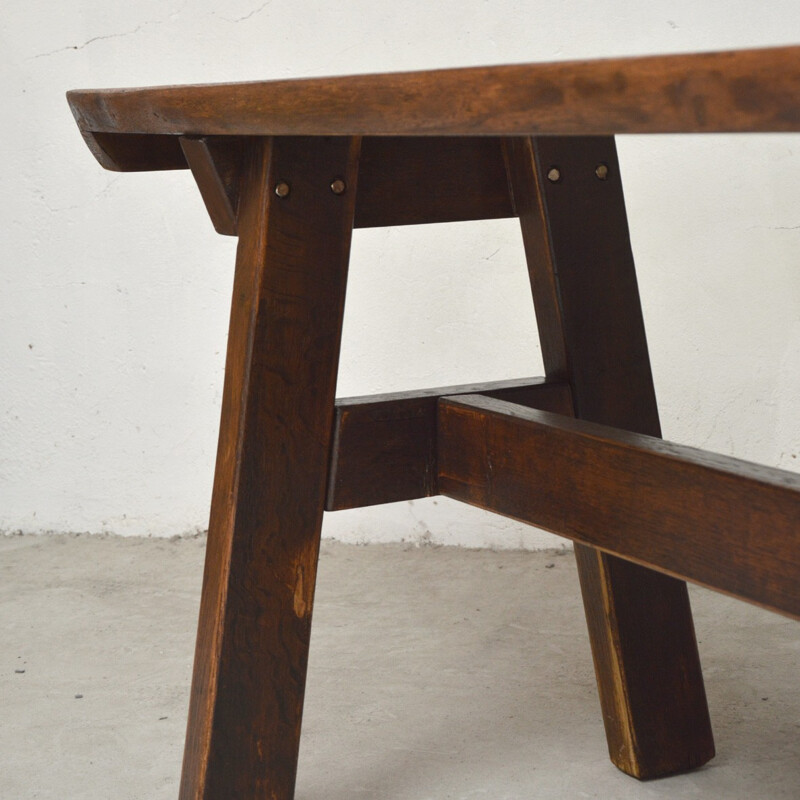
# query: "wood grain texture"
x,y
216,165
745,90
721,522
402,180
384,446
269,487
592,334
406,180
135,152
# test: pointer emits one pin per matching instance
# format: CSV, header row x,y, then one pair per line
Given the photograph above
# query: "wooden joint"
x,y
402,180
216,164
384,446
717,521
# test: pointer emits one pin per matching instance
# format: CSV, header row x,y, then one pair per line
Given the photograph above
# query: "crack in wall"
x,y
247,16
140,27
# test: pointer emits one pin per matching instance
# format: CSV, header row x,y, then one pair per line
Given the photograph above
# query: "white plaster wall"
x,y
115,288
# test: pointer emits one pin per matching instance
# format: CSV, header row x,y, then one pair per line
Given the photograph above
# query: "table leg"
x,y
269,487
568,195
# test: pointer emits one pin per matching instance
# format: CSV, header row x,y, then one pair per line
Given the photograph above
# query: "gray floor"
x,y
435,673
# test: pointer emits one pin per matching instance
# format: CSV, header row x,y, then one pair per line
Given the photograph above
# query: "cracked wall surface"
x,y
115,288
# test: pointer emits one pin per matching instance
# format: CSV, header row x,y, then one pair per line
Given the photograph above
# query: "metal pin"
x,y
338,186
554,175
602,171
282,189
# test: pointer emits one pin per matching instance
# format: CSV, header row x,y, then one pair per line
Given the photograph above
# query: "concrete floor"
x,y
435,673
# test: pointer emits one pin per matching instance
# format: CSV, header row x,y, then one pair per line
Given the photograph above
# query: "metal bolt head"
x,y
282,189
554,174
338,186
602,172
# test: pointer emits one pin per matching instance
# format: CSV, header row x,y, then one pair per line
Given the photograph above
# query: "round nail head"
x,y
602,172
338,186
282,189
554,175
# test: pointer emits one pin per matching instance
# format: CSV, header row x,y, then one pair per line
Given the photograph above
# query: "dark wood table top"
x,y
736,91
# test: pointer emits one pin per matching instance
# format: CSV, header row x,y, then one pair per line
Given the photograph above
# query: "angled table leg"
x,y
568,195
269,487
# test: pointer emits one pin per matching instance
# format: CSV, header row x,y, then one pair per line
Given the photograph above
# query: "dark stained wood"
x,y
135,152
403,180
407,180
577,245
269,487
529,203
423,160
384,446
745,90
724,523
592,334
216,166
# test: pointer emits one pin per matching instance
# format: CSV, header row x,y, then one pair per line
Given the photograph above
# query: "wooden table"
x,y
291,167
